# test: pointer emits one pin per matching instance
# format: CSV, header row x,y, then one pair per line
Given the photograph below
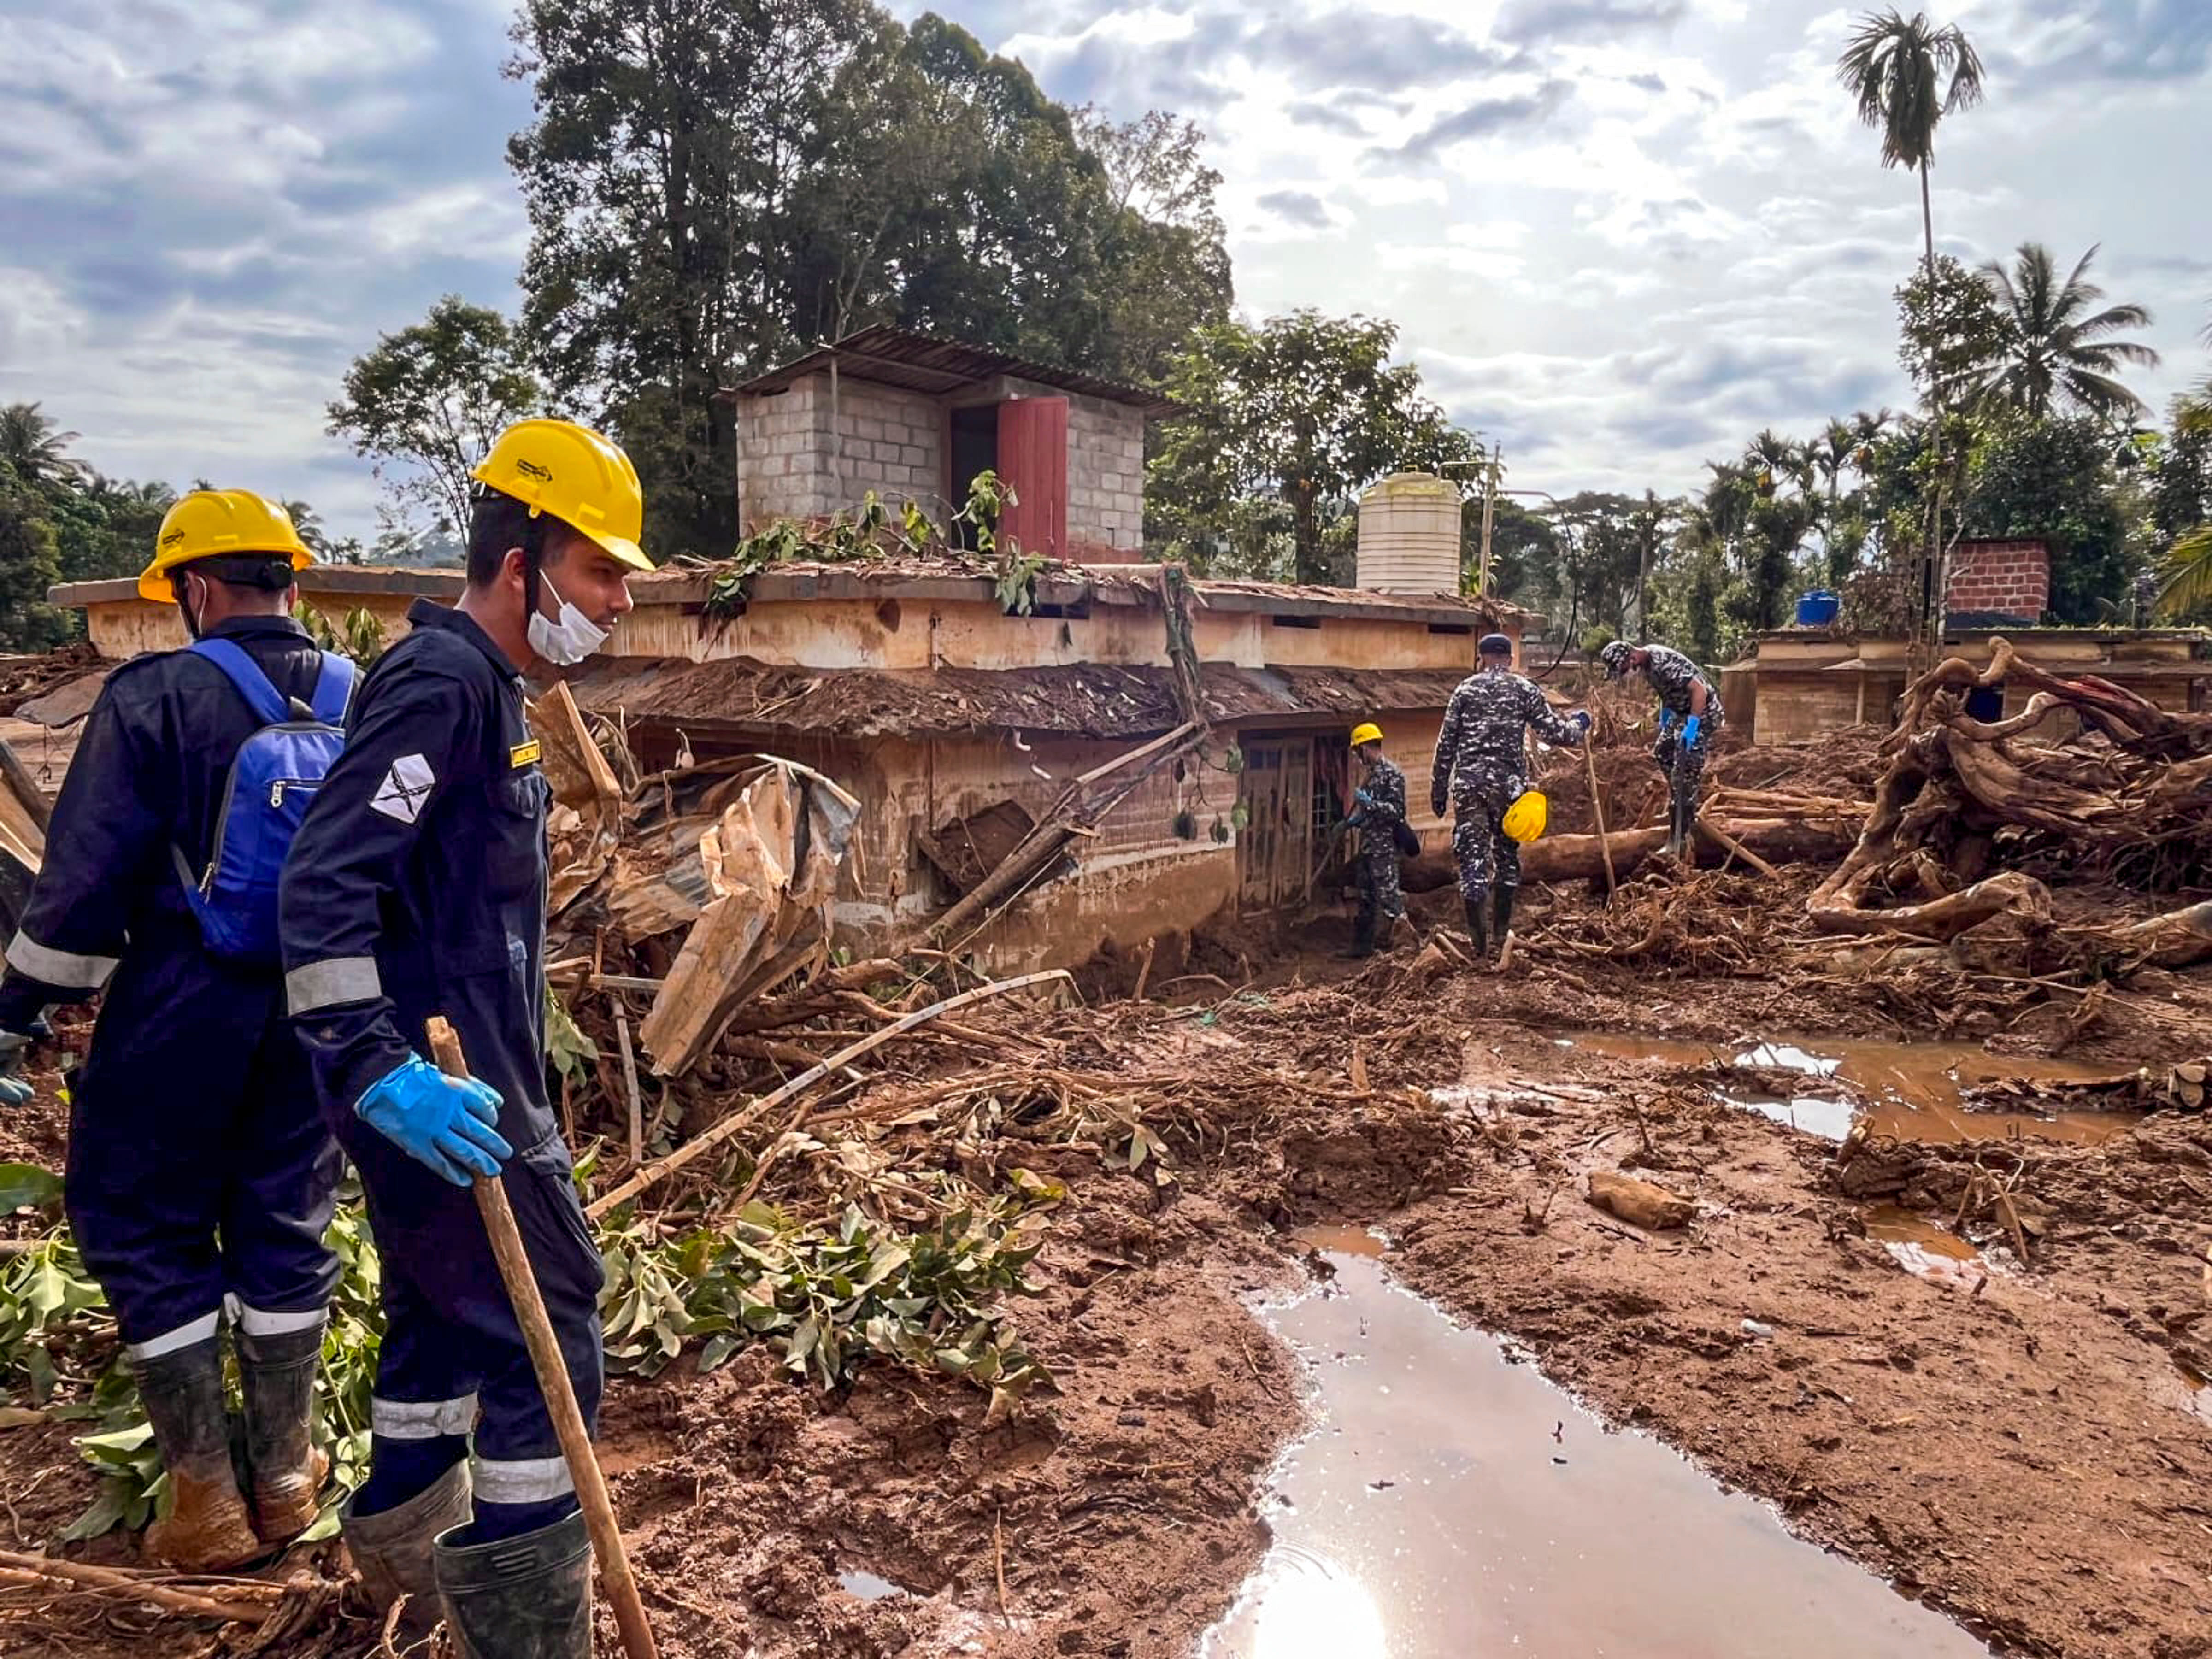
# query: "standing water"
x,y
1452,1503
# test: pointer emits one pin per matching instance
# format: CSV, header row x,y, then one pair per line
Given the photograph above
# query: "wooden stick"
x,y
1736,848
26,787
1145,972
1597,806
630,1083
999,1554
553,1382
737,1120
32,1570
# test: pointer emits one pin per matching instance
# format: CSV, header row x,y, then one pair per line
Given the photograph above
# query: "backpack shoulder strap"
x,y
334,687
263,697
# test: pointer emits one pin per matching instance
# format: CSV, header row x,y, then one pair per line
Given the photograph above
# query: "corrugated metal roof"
x,y
898,356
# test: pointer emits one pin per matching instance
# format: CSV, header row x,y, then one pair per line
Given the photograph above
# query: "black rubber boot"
x,y
1363,932
520,1598
393,1550
1501,920
1678,833
207,1529
276,1377
1478,927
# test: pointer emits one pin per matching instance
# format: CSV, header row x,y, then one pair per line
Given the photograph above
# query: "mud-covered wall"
x,y
895,633
1136,878
124,628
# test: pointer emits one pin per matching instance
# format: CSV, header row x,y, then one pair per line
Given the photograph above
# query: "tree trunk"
x,y
1306,537
1581,858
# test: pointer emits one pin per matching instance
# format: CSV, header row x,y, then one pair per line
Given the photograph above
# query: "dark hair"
x,y
502,523
268,572
1495,645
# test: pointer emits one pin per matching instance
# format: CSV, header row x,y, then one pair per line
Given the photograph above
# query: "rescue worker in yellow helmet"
x,y
1379,815
418,887
1478,772
200,1175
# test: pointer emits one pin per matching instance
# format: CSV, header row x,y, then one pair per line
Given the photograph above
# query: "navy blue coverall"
x,y
199,1168
417,887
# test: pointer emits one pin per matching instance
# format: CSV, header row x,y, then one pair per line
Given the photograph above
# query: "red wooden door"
x,y
1033,462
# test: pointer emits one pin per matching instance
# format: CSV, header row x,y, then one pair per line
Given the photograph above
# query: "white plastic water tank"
x,y
1409,535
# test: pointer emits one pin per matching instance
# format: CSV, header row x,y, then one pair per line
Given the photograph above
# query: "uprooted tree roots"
x,y
2126,798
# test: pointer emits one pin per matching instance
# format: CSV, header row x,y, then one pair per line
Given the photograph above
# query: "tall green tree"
x,y
1907,76
29,565
714,188
106,528
35,449
2057,351
1303,412
424,404
2053,480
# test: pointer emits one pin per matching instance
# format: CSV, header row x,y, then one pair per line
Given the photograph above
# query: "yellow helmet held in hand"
x,y
574,474
1525,819
1370,732
210,523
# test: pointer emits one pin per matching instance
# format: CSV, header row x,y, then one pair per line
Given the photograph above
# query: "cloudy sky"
x,y
1619,236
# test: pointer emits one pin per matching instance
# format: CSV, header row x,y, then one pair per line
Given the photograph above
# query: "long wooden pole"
x,y
553,1380
1597,806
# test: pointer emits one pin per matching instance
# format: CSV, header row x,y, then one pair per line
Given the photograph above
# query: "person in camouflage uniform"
x,y
1481,757
1685,695
1381,803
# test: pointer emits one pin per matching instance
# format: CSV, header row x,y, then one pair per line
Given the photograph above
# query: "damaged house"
x,y
958,724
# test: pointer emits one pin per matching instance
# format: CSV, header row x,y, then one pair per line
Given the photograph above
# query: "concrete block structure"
x,y
915,419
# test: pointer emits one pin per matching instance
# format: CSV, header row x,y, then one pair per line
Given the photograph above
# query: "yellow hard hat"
x,y
1525,819
574,474
209,523
1370,732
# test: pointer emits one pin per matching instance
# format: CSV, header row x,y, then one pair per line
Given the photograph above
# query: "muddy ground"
x,y
2017,1444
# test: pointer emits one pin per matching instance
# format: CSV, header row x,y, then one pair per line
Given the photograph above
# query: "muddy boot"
x,y
1678,834
1478,927
520,1598
207,1529
1501,915
1363,936
393,1551
276,1376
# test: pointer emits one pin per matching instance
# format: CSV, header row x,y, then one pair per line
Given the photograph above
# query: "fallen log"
x,y
1582,858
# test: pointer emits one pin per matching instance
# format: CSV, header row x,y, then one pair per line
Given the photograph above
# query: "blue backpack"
x,y
272,783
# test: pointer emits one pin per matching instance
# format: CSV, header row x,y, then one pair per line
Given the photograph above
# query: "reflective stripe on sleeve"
x,y
65,968
520,1480
315,985
420,1420
184,1336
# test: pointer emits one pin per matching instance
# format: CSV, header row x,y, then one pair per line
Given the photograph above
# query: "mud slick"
x,y
1913,1363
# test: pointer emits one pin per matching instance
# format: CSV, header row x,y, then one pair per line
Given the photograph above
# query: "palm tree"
x,y
31,445
1831,453
2056,350
1774,460
1897,71
1867,431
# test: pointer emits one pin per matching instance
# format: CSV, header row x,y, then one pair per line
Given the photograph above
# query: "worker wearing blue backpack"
x,y
200,1172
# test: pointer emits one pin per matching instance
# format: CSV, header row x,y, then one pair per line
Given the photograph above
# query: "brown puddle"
x,y
1342,1240
1924,1248
1452,1502
1911,1091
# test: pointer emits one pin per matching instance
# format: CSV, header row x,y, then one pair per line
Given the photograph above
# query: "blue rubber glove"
x,y
1690,733
1362,798
1665,722
442,1121
1583,722
13,1091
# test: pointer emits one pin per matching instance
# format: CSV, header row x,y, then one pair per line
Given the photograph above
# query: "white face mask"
x,y
569,641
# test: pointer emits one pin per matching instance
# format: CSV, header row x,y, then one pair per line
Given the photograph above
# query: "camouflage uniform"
x,y
1381,900
1672,675
1480,755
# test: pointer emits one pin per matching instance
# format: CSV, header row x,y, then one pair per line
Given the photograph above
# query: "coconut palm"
x,y
1830,455
1897,71
34,449
1867,431
2059,348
